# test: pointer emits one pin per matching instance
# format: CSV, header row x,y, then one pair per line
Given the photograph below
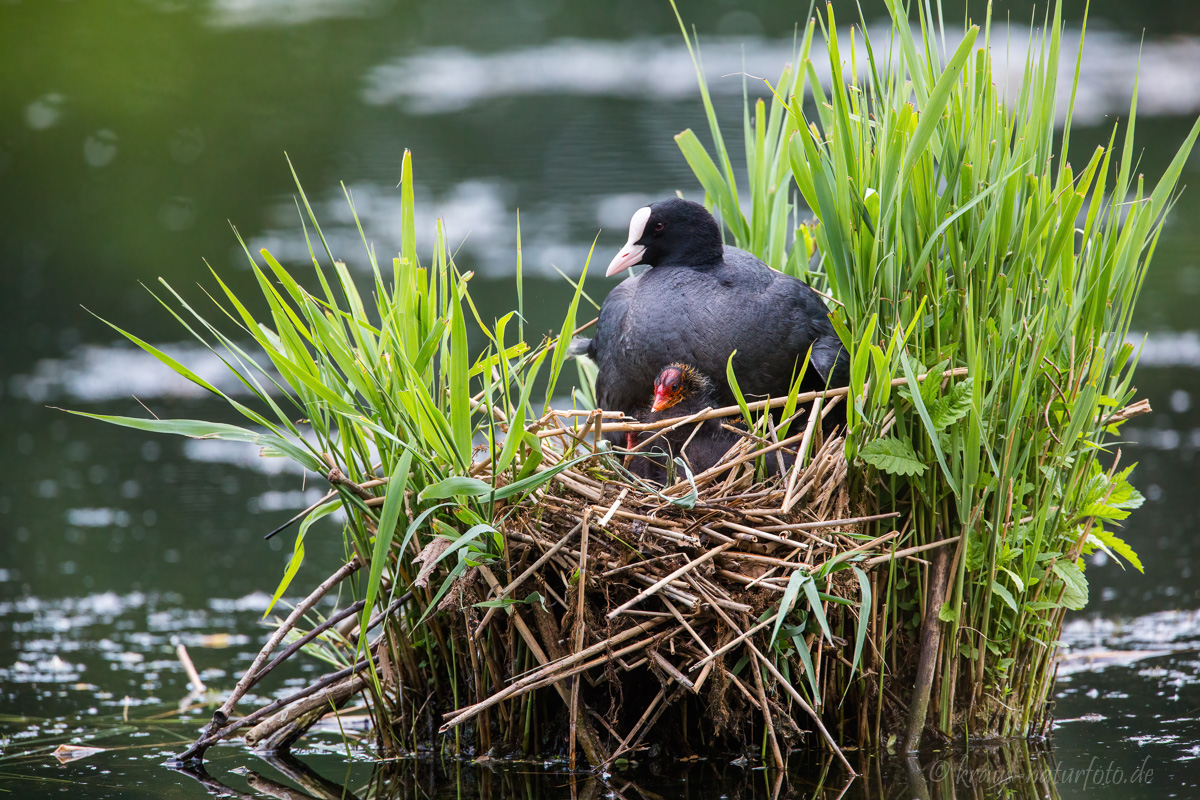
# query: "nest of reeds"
x,y
726,611
738,608
647,604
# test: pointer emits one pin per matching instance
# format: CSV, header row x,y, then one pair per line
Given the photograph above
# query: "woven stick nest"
x,y
684,584
637,605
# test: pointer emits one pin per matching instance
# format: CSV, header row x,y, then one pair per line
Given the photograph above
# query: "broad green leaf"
x,y
1004,594
200,429
562,344
1075,592
460,389
893,456
506,602
737,391
914,389
932,110
816,608
455,486
472,534
864,618
516,426
790,593
952,406
534,459
709,175
1016,579
809,673
538,479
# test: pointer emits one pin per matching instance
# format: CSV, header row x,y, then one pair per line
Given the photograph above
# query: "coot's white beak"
x,y
631,253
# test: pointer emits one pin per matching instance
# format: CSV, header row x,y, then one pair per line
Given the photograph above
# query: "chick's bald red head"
x,y
668,388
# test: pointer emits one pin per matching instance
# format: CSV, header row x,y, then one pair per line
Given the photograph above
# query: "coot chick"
x,y
698,303
680,390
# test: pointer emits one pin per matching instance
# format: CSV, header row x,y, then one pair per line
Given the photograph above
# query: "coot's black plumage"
x,y
699,302
680,391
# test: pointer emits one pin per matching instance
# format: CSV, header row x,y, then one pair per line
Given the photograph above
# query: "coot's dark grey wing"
x,y
608,348
772,320
829,363
808,321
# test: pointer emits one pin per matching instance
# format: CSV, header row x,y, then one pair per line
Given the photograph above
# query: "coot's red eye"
x,y
658,226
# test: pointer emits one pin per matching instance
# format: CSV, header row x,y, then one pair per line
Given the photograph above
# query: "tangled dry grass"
x,y
680,589
745,600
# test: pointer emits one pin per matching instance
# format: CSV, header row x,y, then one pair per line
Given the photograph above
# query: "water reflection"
x,y
44,112
98,373
450,79
477,214
1169,349
1014,772
254,13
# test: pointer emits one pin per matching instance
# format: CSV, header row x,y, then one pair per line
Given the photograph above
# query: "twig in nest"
x,y
642,595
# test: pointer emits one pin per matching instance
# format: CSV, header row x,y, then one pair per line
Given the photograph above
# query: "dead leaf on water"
x,y
72,752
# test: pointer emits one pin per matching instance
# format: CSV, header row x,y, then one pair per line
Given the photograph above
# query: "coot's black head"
x,y
679,383
670,233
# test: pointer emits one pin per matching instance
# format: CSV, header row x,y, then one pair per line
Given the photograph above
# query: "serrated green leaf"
x,y
1123,494
892,455
1102,510
1117,546
1075,593
952,406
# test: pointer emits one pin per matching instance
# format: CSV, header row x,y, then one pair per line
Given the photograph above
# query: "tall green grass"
x,y
953,233
382,391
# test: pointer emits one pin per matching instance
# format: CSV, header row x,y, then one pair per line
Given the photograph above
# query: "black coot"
x,y
700,302
680,390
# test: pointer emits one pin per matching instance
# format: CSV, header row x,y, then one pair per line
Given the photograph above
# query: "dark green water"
x,y
132,133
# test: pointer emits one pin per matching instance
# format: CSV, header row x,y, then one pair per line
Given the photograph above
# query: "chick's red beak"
x,y
664,398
